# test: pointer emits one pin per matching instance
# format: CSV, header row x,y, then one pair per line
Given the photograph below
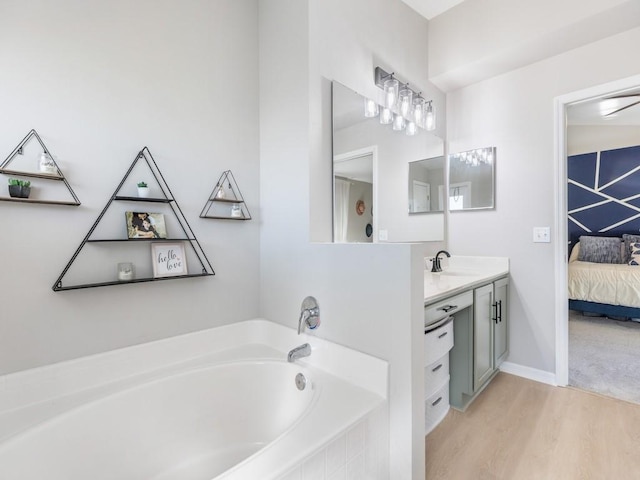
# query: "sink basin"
x,y
459,273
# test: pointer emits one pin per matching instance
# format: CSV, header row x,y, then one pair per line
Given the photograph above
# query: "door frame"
x,y
560,199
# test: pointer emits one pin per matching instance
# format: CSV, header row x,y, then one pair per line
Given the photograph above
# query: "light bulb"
x,y
386,117
405,100
418,111
398,123
430,117
391,92
370,108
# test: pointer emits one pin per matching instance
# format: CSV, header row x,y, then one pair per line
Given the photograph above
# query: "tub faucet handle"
x,y
309,314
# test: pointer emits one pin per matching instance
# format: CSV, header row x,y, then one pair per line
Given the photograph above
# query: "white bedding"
x,y
613,284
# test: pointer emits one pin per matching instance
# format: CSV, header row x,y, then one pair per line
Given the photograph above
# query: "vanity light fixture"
x,y
402,106
391,87
430,116
473,158
386,116
370,108
398,122
411,128
405,101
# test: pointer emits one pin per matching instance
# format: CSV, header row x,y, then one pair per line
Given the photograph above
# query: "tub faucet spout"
x,y
436,261
309,314
300,351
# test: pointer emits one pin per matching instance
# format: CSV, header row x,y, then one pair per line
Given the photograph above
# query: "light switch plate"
x,y
383,235
541,234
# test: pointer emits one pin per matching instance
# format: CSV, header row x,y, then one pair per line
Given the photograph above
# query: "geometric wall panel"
x,y
582,168
615,163
583,197
625,187
603,194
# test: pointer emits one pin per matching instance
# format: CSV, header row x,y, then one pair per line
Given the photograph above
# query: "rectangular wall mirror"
x,y
472,179
371,165
426,185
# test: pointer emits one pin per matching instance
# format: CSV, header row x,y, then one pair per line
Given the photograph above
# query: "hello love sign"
x,y
169,259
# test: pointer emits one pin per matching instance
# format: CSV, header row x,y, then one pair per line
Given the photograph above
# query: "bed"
x,y
604,275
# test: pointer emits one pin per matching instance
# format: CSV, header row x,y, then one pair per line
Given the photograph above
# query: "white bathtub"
x,y
220,404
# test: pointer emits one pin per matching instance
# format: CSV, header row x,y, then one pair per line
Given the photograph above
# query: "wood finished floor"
x,y
518,429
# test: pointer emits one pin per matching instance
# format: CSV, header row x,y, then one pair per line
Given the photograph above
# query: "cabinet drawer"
x,y
435,374
450,306
438,342
436,408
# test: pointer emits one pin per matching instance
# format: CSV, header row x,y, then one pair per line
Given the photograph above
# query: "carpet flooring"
x,y
604,356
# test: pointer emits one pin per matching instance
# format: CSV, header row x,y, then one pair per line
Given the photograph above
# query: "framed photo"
x,y
145,225
168,259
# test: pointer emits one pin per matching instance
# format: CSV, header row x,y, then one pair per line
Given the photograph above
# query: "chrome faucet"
x,y
309,314
301,351
436,261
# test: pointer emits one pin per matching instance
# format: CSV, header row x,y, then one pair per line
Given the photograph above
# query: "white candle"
x,y
125,272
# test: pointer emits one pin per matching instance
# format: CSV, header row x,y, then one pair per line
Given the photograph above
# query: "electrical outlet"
x,y
383,235
541,234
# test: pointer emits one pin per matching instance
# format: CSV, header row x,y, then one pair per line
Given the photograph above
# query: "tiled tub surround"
x,y
71,416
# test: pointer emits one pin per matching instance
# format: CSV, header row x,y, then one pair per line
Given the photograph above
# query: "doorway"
x,y
561,250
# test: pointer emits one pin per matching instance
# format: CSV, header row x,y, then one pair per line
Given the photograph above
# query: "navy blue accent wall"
x,y
604,192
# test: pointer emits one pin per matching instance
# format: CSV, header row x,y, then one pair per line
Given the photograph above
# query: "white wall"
x,y
596,138
479,39
514,112
370,295
99,80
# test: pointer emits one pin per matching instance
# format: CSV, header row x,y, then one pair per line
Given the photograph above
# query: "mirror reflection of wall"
x,y
426,181
353,197
472,179
386,214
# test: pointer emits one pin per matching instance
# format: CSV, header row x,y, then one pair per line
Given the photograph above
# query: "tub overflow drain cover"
x,y
301,381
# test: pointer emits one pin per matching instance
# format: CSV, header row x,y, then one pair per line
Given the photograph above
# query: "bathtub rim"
x,y
89,375
41,384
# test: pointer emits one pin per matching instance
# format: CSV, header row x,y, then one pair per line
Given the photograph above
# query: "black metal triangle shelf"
x,y
225,193
135,280
55,174
186,237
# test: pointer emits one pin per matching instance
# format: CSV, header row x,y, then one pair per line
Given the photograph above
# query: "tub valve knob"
x,y
309,314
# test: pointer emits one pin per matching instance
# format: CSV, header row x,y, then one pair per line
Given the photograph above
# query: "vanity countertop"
x,y
460,273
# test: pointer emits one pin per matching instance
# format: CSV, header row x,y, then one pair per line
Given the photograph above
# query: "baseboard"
x,y
527,372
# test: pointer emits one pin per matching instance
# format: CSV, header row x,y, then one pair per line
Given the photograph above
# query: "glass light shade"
x,y
398,123
411,128
430,117
386,117
418,111
370,108
391,92
405,101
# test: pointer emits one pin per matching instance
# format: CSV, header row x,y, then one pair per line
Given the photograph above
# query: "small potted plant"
x,y
143,190
19,188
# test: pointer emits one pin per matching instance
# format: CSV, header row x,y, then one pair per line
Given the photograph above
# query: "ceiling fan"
x,y
626,95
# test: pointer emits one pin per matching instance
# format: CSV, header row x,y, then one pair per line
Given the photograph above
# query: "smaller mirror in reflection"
x,y
426,185
471,179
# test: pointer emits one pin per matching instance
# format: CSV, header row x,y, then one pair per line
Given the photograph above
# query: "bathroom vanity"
x,y
466,331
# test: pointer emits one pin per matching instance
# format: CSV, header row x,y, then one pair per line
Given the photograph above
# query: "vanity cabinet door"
x,y
500,326
482,335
